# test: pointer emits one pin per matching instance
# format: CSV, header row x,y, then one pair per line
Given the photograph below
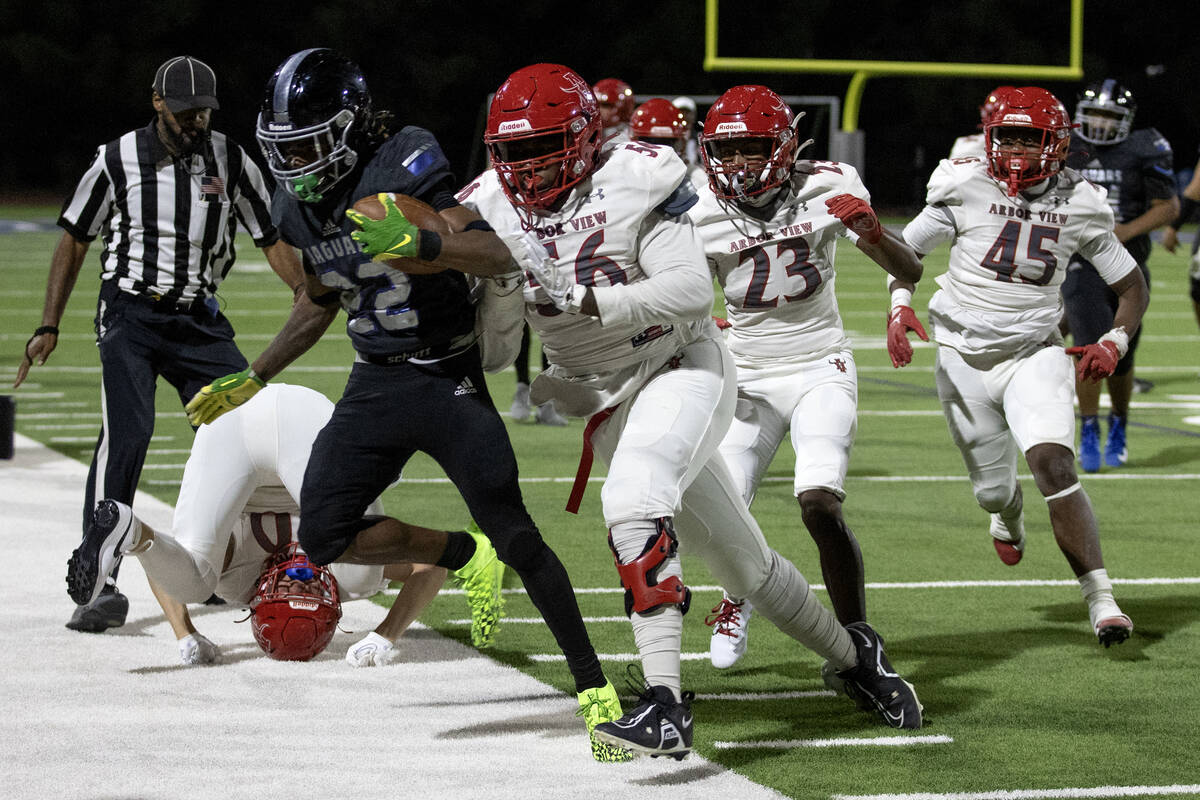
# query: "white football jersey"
x,y
778,274
1009,255
622,225
972,146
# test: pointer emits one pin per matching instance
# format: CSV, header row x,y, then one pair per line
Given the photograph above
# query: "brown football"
x,y
418,213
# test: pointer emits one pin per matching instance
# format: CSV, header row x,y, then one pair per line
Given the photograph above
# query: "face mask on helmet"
x,y
543,136
296,609
1027,137
316,109
1104,113
749,145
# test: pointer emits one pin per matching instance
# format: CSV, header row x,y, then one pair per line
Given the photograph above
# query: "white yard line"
x,y
1078,793
845,741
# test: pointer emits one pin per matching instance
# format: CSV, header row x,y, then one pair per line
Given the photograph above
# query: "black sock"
x,y
460,546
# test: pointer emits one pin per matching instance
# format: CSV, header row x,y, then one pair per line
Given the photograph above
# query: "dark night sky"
x,y
73,76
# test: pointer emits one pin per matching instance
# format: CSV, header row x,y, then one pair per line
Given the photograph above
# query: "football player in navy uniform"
x,y
417,381
1188,202
1135,166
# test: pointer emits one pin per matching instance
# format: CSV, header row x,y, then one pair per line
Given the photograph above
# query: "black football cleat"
x,y
108,611
873,684
107,538
658,726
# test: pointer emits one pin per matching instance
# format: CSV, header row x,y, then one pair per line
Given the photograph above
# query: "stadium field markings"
x,y
544,658
841,741
1073,793
987,584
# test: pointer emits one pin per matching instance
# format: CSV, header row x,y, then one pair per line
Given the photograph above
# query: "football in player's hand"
x,y
417,212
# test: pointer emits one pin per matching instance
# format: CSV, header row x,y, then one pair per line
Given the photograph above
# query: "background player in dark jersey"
x,y
1188,203
1136,168
417,383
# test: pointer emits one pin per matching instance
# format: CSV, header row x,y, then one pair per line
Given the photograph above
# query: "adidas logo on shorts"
x,y
466,387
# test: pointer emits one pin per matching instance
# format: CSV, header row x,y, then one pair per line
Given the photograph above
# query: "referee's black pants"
x,y
138,343
443,409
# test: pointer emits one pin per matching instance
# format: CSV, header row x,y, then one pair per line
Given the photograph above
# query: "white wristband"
x,y
1120,338
901,297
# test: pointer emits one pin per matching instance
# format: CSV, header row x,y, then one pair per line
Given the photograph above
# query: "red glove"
x,y
902,320
722,323
857,215
1096,361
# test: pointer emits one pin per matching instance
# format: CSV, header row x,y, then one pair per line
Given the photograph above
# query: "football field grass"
x,y
1019,699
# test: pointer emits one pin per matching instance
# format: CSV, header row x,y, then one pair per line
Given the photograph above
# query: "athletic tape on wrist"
x,y
901,297
1120,338
1075,487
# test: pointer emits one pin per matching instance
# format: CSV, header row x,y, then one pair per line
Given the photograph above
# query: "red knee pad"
x,y
643,592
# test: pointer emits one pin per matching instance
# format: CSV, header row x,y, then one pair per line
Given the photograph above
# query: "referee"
x,y
165,200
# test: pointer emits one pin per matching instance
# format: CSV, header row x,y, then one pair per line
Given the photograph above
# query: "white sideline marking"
x,y
768,695
528,620
878,741
551,657
1035,794
989,584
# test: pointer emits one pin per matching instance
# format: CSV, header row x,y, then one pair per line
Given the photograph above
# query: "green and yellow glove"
x,y
223,394
391,237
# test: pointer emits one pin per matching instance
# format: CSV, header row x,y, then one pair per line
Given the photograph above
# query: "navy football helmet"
x,y
1104,113
314,120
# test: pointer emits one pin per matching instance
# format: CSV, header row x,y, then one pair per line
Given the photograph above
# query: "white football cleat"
x,y
730,622
547,414
372,651
111,534
520,409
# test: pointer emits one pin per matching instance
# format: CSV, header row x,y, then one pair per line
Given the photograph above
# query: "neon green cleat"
x,y
483,578
602,705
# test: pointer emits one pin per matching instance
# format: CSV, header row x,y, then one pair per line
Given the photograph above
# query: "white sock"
x,y
658,633
1097,592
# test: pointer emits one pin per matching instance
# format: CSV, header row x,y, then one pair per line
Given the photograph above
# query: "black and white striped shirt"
x,y
168,224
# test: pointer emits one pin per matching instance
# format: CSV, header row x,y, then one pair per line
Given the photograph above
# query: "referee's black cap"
x,y
185,82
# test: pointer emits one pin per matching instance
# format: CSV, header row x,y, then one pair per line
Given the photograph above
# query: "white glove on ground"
x,y
196,649
372,651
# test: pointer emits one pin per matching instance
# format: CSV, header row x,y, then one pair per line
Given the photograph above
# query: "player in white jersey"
x,y
972,145
238,506
621,299
770,226
1005,382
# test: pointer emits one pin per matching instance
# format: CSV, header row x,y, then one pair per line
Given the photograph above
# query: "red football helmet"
x,y
616,101
659,121
1027,136
754,123
296,608
543,116
989,105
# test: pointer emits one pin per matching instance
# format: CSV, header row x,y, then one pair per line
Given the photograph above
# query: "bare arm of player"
x,y
1162,211
304,326
1191,196
421,584
893,254
286,263
1133,297
175,611
477,252
64,270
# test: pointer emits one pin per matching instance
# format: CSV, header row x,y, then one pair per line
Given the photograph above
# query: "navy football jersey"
x,y
390,312
1134,172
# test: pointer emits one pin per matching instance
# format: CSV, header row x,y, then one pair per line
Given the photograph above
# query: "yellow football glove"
x,y
223,394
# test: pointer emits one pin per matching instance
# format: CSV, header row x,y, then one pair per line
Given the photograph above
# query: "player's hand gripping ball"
x,y
390,228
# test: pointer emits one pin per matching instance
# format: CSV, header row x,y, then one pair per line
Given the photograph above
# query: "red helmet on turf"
x,y
659,121
543,116
749,145
296,608
615,97
1027,136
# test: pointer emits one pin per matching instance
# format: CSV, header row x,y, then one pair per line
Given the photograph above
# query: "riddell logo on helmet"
x,y
302,605
731,127
1025,118
274,126
515,125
